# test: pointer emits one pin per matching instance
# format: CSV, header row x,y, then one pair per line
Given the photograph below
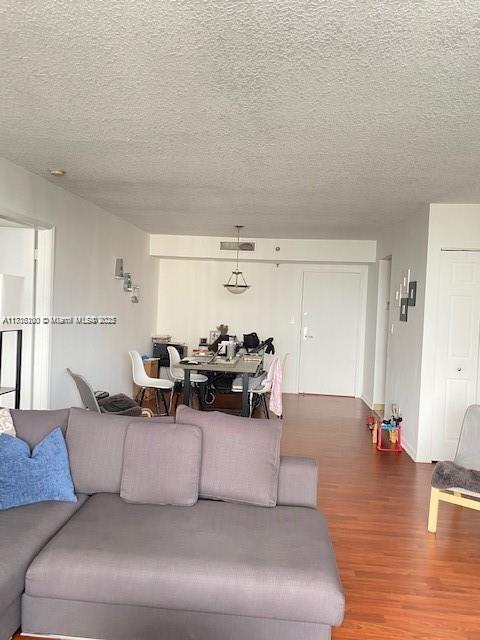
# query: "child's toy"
x,y
392,428
393,436
372,424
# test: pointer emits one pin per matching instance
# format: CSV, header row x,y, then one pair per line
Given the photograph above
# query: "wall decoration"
x,y
405,279
412,293
126,277
404,310
127,282
135,296
118,275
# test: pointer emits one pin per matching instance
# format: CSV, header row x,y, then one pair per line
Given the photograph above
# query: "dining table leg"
x,y
245,405
187,389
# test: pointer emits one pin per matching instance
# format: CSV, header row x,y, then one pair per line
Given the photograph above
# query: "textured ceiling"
x,y
322,118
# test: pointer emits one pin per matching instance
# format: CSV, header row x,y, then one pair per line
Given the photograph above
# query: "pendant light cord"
x,y
238,243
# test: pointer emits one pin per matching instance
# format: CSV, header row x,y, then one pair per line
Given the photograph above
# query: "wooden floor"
x,y
400,581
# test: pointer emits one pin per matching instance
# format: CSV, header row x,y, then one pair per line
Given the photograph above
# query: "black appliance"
x,y
160,351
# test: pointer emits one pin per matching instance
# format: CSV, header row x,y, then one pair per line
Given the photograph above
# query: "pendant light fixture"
x,y
237,283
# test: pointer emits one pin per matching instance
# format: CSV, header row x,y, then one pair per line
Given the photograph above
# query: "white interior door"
x,y
330,332
456,369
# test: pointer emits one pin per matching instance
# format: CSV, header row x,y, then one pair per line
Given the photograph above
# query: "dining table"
x,y
243,365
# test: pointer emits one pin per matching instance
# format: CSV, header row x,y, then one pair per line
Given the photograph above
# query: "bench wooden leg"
x,y
433,510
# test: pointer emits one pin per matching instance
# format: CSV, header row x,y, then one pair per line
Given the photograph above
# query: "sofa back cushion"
x,y
95,448
32,425
95,444
161,464
240,456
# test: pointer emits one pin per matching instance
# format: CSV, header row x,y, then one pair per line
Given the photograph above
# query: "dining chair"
x,y
458,482
259,386
144,381
178,375
102,402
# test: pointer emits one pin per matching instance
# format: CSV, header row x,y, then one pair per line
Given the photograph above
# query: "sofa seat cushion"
x,y
212,557
23,532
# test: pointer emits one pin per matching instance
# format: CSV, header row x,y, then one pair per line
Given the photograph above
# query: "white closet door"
x,y
330,332
456,370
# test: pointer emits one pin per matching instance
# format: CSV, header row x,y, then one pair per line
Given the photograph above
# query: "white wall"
x,y
452,226
417,244
192,301
87,241
406,242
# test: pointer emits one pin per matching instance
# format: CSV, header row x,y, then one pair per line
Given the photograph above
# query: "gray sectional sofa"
x,y
224,568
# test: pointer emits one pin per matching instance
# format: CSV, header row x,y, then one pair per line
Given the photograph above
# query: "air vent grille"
x,y
241,246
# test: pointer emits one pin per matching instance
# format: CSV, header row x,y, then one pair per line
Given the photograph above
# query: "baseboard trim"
x,y
368,402
408,449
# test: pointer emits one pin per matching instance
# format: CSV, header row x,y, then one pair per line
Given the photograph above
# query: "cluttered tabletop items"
x,y
227,353
222,350
224,353
238,363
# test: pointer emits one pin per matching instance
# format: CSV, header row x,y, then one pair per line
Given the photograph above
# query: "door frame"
x,y
382,333
44,262
357,269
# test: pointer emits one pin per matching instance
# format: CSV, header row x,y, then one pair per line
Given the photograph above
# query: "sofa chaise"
x,y
254,563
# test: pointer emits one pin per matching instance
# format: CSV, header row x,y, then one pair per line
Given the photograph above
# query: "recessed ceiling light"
x,y
57,172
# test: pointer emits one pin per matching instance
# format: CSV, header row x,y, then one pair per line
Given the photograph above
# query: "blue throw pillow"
x,y
43,474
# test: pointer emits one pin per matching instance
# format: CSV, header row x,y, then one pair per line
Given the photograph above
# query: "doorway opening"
x,y
382,332
26,275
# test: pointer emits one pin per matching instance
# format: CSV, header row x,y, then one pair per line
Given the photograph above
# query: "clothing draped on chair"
x,y
275,378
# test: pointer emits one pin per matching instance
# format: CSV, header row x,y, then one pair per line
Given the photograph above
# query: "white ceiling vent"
x,y
233,246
